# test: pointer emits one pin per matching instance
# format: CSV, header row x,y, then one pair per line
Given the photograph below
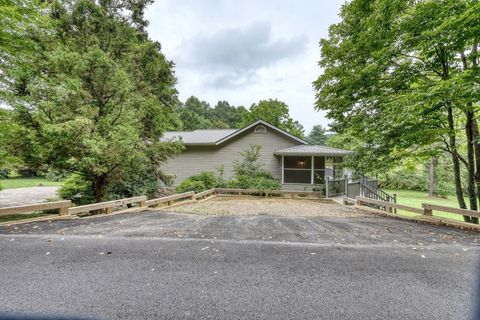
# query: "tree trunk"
x,y
99,185
455,160
471,160
431,179
476,146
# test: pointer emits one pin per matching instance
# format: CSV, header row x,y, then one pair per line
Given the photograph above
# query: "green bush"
x,y
199,182
191,185
4,173
77,189
55,175
255,182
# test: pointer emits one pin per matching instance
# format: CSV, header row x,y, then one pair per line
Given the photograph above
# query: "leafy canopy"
x,y
274,112
96,95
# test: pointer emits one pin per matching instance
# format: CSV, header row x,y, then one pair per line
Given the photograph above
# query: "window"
x,y
297,169
260,129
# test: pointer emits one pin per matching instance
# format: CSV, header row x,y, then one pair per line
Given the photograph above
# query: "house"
x,y
296,164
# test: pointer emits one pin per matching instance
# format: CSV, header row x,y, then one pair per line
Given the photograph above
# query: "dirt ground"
x,y
247,206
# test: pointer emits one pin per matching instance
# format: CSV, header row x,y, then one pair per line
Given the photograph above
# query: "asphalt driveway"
x,y
158,265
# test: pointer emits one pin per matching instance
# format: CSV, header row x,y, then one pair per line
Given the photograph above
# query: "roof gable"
x,y
219,136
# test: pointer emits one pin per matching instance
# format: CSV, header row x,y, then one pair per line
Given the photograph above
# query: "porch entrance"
x,y
311,170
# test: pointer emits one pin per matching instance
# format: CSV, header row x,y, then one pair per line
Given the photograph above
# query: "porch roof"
x,y
312,150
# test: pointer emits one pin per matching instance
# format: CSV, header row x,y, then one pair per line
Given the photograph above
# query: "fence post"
x,y
326,186
395,201
427,211
63,211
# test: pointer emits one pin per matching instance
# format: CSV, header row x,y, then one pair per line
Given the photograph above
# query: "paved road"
x,y
22,196
172,266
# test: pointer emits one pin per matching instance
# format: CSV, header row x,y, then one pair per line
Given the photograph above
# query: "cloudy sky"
x,y
245,51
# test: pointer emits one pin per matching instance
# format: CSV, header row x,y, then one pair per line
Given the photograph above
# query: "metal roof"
x,y
312,150
200,136
218,136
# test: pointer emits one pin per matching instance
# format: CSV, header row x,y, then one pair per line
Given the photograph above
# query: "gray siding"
x,y
196,159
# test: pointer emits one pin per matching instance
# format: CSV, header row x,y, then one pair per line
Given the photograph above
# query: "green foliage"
x,y
255,182
4,173
227,114
250,164
413,174
196,114
318,135
19,18
77,189
199,182
401,77
96,95
274,112
249,172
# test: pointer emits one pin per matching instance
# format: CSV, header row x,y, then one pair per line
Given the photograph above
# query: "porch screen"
x,y
297,170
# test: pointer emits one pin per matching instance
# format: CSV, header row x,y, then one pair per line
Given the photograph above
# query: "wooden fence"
x,y
109,205
269,193
168,200
61,206
426,210
65,207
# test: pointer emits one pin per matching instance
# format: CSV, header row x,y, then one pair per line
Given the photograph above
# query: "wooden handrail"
x,y
184,195
426,210
60,205
205,193
464,212
387,205
257,191
109,205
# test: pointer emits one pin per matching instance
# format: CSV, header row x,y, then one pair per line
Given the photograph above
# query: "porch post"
x,y
313,170
283,168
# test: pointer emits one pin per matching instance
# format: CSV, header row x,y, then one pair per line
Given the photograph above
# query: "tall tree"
x,y
394,73
194,114
318,135
96,94
274,112
228,114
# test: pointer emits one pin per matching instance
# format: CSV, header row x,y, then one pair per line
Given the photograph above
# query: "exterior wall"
x,y
196,159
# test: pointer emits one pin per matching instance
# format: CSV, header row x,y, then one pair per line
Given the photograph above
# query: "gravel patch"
x,y
23,196
247,206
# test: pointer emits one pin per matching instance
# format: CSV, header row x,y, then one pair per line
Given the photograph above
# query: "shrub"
x,y
199,182
4,173
249,166
249,172
191,185
255,182
55,175
77,189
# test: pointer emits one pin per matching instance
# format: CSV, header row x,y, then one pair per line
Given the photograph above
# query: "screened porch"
x,y
311,169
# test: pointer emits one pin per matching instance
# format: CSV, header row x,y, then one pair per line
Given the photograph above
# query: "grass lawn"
x,y
21,182
416,198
